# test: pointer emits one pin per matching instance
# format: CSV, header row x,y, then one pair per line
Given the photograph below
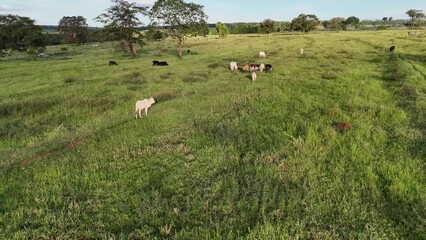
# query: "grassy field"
x,y
217,157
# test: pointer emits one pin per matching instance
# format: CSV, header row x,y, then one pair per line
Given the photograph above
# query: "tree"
x,y
244,28
415,15
222,30
336,24
352,21
121,21
20,33
267,26
304,23
74,29
181,19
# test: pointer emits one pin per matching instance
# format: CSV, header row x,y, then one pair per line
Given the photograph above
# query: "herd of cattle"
x,y
233,66
246,67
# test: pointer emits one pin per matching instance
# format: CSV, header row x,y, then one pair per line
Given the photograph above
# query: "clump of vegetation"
x,y
68,80
166,75
166,95
329,75
196,77
214,65
27,107
134,78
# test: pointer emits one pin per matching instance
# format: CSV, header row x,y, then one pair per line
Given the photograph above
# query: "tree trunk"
x,y
132,50
180,49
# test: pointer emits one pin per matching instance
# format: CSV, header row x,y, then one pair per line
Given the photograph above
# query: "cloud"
x,y
4,8
14,8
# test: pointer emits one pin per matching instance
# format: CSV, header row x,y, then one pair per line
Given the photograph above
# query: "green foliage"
x,y
304,23
222,30
267,26
19,33
416,16
352,21
336,24
382,27
154,34
181,19
122,21
53,39
74,29
244,28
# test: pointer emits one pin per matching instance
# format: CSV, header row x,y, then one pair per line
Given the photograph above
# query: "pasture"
x,y
217,157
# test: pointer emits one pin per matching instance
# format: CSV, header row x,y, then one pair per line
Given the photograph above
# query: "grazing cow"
x,y
254,67
391,49
268,68
189,51
246,67
111,63
301,51
233,66
262,67
158,63
143,105
262,54
253,76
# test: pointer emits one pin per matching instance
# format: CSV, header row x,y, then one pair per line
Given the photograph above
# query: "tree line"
x,y
168,18
172,18
309,22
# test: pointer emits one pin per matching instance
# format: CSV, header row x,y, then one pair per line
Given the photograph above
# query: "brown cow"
x,y
246,67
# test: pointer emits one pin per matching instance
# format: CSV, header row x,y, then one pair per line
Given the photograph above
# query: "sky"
x,y
49,12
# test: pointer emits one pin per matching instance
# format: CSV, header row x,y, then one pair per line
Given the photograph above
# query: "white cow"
x,y
262,54
143,104
253,76
233,66
262,67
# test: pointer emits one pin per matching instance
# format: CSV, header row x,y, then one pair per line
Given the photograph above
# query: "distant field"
x,y
217,157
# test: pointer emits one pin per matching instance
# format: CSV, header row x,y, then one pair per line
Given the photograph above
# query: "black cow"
x,y
391,49
111,63
268,68
158,63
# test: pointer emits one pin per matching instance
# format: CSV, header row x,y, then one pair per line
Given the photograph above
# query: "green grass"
x,y
217,157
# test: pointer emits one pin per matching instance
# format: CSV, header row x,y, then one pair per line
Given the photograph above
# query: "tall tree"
x,y
415,15
336,24
222,30
304,23
352,21
122,21
20,33
74,29
267,26
181,19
